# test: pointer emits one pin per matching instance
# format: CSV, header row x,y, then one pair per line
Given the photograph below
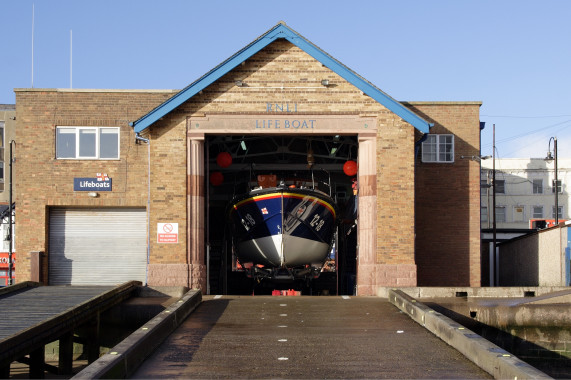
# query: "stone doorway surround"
x,y
199,126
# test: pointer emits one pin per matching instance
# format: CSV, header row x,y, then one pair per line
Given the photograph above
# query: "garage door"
x,y
97,246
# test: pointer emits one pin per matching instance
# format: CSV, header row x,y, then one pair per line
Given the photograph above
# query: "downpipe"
x,y
138,140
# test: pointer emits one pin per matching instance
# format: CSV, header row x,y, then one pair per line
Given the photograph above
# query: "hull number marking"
x,y
317,222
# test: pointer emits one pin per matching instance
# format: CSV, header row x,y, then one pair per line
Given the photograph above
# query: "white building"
x,y
524,192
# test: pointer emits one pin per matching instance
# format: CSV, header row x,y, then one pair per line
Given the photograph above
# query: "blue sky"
x,y
514,56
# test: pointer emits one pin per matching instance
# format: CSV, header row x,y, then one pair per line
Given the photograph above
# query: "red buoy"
x,y
224,159
350,168
216,178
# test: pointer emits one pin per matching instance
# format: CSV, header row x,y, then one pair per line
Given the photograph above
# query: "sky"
x,y
513,56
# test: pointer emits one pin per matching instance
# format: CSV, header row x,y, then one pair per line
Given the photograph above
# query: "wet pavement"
x,y
304,337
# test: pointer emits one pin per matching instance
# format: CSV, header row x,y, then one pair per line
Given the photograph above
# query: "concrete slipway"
x,y
306,337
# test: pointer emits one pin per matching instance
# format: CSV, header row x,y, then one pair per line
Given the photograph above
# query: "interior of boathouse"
x,y
237,162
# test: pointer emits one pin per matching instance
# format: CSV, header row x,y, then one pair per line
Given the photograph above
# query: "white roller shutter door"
x,y
97,246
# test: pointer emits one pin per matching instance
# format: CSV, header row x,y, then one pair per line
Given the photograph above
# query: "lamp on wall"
x,y
476,158
93,194
548,158
239,83
325,82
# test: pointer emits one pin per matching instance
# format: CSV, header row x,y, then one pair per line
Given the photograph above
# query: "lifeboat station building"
x,y
118,185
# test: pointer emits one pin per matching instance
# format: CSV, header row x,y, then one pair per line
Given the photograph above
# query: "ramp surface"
x,y
304,337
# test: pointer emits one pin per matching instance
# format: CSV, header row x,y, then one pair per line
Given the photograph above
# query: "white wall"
x,y
537,259
551,253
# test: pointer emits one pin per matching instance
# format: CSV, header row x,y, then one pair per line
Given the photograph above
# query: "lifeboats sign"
x,y
101,183
167,232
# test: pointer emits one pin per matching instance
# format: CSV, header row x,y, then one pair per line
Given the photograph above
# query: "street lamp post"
x,y
495,263
11,220
555,187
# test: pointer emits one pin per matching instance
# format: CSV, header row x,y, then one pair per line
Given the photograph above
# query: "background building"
x,y
525,202
524,192
7,134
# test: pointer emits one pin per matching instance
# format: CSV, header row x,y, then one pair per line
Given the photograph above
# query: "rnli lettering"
x,y
281,107
286,124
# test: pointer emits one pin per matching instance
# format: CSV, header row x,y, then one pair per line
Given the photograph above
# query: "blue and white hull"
x,y
283,228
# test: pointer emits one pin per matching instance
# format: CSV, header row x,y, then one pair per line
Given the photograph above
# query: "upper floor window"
x,y
538,186
438,148
91,143
559,186
500,186
5,235
537,212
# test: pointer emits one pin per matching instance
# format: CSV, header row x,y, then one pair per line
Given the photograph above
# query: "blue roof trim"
x,y
280,31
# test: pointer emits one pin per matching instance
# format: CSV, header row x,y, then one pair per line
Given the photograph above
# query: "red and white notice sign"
x,y
167,232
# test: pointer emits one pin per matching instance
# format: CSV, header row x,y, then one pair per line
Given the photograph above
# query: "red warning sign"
x,y
167,232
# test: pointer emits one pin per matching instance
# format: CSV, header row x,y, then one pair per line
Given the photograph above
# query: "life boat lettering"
x,y
286,124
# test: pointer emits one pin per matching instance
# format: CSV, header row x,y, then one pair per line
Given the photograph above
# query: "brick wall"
x,y
43,182
280,73
281,64
395,200
392,183
447,200
395,193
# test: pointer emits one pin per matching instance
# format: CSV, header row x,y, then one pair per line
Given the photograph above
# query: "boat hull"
x,y
279,228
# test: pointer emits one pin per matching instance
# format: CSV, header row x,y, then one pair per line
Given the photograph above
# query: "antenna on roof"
x,y
32,45
70,58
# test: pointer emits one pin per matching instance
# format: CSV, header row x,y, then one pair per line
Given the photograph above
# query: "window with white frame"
x,y
438,148
559,186
5,235
501,214
560,212
90,143
537,212
537,186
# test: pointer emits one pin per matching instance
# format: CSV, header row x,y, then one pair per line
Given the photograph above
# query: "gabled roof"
x,y
281,30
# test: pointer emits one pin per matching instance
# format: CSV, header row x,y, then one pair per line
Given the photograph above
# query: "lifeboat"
x,y
283,231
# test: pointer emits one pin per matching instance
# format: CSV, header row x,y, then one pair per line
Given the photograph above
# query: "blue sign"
x,y
92,184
